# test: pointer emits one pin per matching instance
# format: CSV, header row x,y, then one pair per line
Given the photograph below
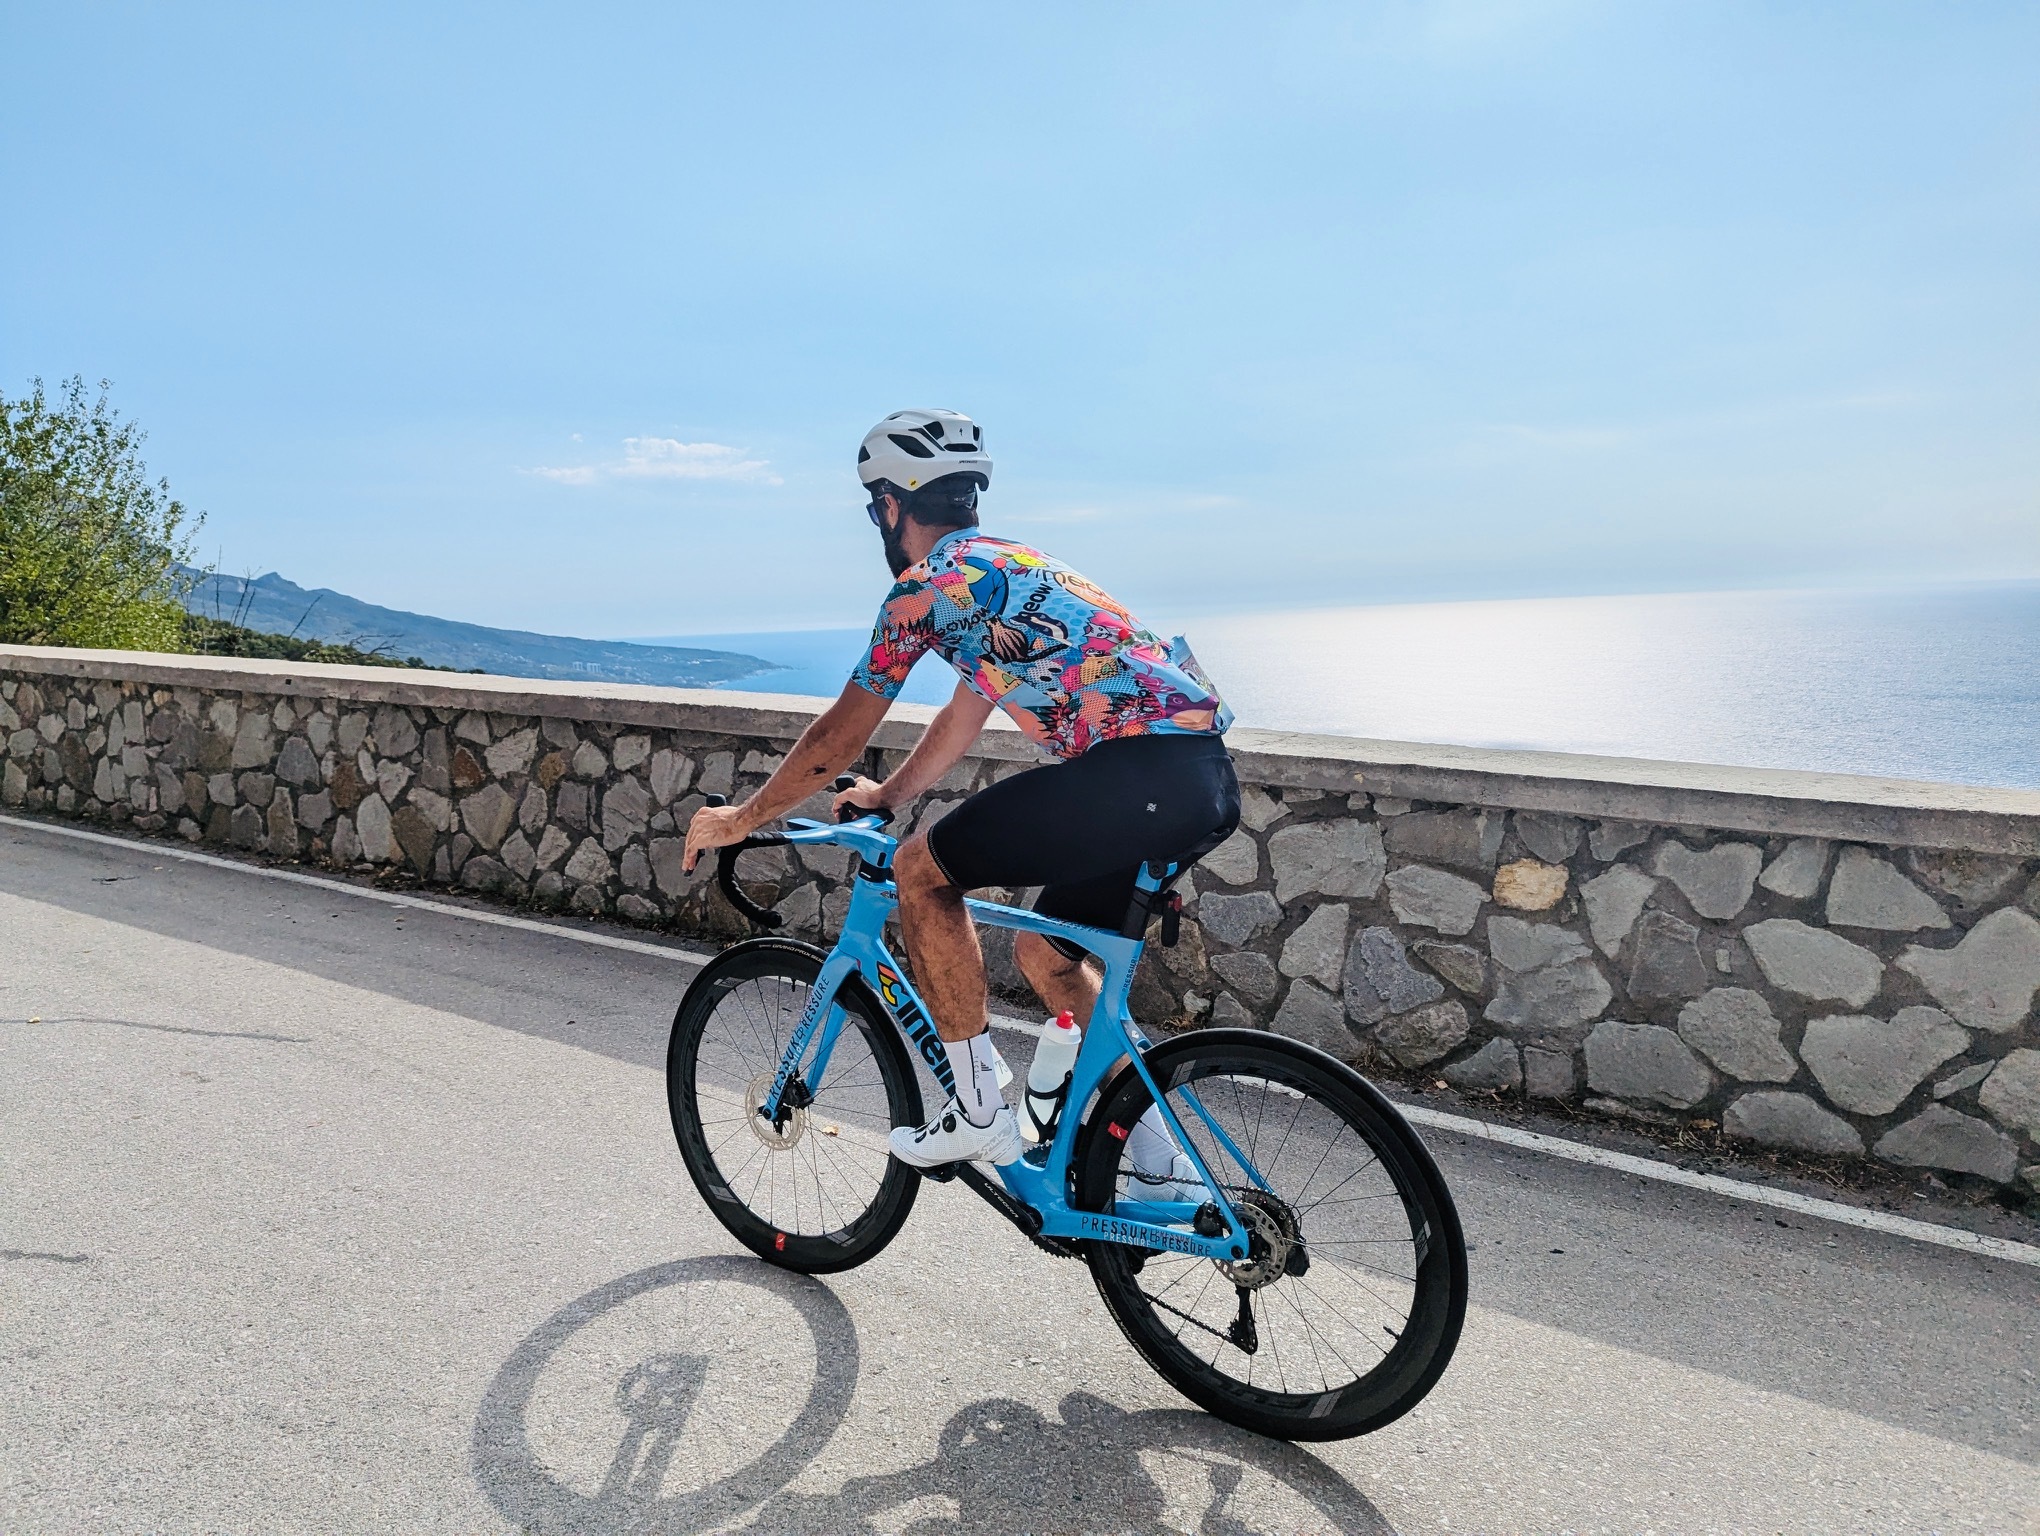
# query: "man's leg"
x,y
949,968
1065,985
942,943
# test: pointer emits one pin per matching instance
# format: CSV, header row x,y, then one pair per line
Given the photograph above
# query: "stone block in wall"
x,y
1735,1029
1378,979
1796,873
1259,810
1871,1066
670,773
1463,967
395,732
626,808
2011,1093
1666,962
1425,1034
1813,963
1941,1137
372,827
1645,1063
1559,1000
1716,882
296,765
487,814
718,773
1518,945
1530,886
1236,861
1549,1073
1318,947
416,834
1609,840
1972,879
1549,837
513,754
1251,975
1988,980
1495,1067
1237,920
1312,1015
1464,839
1339,857
1434,898
1791,1121
1614,901
1866,892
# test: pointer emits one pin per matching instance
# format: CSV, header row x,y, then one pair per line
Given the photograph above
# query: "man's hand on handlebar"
x,y
714,826
864,795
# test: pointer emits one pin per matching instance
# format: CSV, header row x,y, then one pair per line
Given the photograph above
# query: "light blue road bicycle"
x,y
1265,1228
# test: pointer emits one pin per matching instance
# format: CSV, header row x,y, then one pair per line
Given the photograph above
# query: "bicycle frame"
x,y
1040,1178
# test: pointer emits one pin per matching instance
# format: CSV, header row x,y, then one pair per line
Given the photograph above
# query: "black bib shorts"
x,y
1082,829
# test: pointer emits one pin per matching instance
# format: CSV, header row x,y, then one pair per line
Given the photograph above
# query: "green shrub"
x,y
90,551
221,637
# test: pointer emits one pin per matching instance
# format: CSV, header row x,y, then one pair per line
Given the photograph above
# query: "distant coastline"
x,y
275,604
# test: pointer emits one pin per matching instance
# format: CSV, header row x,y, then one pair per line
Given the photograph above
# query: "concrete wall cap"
x,y
1771,801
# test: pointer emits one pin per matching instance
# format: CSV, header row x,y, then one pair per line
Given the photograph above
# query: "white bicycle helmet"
x,y
912,448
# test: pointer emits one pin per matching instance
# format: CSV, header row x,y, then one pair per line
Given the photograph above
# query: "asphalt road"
x,y
319,1216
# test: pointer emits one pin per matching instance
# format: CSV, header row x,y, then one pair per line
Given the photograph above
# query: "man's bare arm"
x,y
825,749
941,747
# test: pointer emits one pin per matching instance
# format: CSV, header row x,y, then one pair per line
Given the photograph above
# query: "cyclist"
x,y
1142,770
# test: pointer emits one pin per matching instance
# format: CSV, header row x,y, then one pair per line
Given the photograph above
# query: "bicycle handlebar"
x,y
726,858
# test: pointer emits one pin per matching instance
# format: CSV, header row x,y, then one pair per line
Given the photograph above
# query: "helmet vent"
x,y
933,429
864,455
911,445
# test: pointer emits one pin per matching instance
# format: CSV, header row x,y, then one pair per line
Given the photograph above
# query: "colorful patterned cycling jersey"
x,y
1029,634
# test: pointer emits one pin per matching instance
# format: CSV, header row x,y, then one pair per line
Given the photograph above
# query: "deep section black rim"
x,y
823,1185
1352,1329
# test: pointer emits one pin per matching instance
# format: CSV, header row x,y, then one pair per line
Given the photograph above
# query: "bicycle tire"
x,y
1327,1092
731,1155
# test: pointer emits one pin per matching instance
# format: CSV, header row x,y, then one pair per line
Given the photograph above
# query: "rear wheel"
x,y
819,1191
1349,1303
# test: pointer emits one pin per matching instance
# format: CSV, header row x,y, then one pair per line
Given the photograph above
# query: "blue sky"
x,y
571,318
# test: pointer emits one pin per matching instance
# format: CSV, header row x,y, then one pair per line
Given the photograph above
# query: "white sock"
x,y
977,1080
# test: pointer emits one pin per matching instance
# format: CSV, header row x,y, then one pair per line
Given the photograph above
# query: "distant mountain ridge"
x,y
280,606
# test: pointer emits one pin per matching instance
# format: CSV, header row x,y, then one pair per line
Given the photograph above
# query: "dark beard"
x,y
895,552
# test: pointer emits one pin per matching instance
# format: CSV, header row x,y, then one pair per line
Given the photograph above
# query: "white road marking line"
x,y
1734,1189
366,893
1418,1114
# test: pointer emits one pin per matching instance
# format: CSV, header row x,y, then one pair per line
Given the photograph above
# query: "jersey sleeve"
x,y
898,640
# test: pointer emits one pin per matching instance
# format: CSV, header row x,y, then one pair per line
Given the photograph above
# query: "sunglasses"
x,y
875,510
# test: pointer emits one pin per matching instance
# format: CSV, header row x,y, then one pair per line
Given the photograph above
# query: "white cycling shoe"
x,y
949,1138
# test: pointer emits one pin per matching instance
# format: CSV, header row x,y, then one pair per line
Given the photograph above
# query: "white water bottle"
x,y
1048,1076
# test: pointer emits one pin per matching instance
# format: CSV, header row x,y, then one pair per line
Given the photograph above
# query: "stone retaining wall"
x,y
1837,965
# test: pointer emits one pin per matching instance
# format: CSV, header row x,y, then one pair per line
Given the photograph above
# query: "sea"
x,y
1933,682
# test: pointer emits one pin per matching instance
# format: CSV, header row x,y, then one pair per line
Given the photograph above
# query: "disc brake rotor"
x,y
1271,1234
779,1139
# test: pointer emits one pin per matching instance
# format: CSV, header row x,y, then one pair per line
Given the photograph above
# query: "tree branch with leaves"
x,y
92,554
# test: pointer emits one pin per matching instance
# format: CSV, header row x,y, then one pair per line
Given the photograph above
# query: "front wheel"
x,y
819,1191
1349,1303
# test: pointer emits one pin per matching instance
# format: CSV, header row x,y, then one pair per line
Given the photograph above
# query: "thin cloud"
x,y
665,458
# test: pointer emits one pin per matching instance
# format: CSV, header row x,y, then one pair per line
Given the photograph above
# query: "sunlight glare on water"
x,y
1932,684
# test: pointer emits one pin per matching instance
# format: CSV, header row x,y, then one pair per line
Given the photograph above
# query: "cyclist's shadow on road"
x,y
694,1437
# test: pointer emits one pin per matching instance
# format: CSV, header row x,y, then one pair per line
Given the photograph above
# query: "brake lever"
x,y
850,813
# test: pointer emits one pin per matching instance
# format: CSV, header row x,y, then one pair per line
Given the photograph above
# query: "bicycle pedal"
x,y
941,1173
